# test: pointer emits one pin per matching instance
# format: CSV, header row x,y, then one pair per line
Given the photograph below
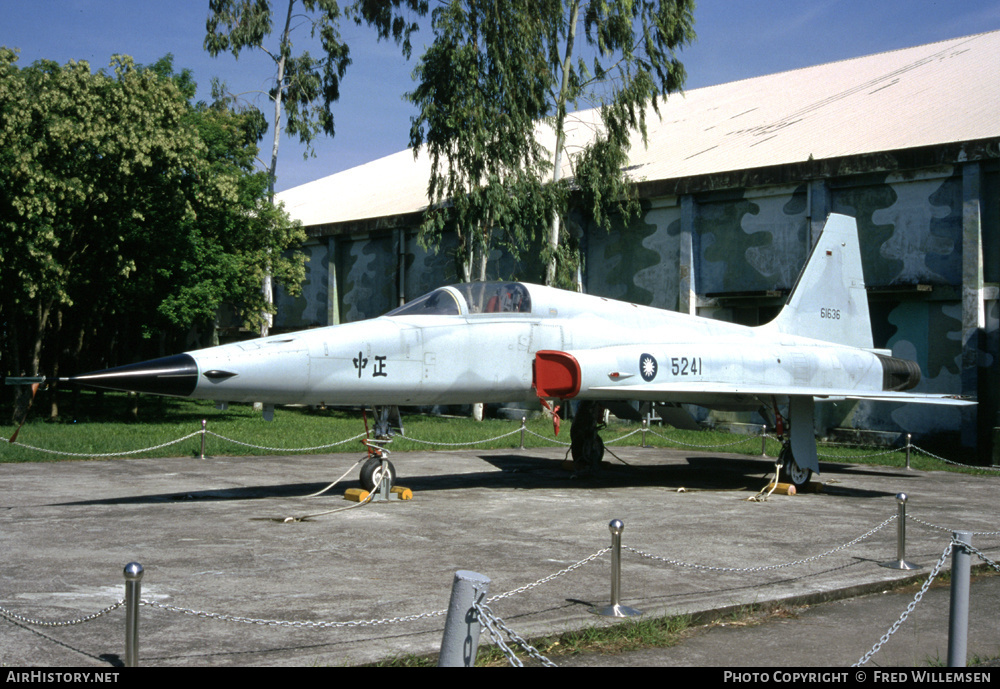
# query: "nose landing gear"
x,y
378,473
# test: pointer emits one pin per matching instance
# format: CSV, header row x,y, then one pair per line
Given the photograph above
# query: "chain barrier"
x,y
873,454
294,624
494,625
108,454
307,624
749,438
741,441
948,461
981,555
622,437
286,449
765,568
470,442
549,578
545,438
941,528
909,608
10,615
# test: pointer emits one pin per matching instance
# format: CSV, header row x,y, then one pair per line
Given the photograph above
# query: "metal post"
x,y
908,436
900,561
645,427
204,423
461,628
958,619
763,440
523,419
383,485
133,592
616,609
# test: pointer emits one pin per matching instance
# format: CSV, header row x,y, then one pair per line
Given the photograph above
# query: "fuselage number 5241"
x,y
685,366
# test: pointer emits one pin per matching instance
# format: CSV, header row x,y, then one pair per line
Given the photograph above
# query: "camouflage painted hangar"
x,y
736,183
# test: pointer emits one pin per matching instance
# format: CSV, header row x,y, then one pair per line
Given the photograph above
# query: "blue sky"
x,y
737,39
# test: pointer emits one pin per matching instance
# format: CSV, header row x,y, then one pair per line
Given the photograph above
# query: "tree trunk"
x,y
483,259
267,288
555,229
41,326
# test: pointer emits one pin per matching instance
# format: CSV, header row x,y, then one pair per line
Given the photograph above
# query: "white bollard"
x,y
461,629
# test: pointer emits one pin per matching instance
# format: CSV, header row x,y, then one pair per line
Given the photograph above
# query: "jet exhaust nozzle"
x,y
175,375
898,374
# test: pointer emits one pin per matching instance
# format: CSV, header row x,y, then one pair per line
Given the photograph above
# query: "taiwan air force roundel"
x,y
647,367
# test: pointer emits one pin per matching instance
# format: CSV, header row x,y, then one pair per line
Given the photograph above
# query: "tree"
x,y
481,91
76,147
619,56
126,212
304,87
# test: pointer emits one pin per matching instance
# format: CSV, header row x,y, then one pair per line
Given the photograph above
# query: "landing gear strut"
x,y
586,446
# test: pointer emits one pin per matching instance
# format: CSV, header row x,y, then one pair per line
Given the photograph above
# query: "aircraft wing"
x,y
664,391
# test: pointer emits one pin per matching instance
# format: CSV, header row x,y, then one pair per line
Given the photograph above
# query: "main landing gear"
x,y
586,446
790,470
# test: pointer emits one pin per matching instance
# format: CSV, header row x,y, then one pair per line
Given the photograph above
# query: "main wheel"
x,y
588,452
371,473
790,469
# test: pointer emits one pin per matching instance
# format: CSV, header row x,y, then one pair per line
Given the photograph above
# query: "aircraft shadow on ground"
x,y
521,471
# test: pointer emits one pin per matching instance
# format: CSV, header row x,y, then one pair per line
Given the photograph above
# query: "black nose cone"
x,y
175,375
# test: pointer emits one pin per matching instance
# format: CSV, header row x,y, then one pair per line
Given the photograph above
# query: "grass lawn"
x,y
103,424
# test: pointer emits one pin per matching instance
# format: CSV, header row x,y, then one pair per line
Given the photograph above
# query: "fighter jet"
x,y
512,341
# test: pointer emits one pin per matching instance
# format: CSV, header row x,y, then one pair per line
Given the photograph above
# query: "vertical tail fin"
x,y
829,301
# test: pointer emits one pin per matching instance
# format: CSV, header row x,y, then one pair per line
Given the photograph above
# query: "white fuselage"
x,y
487,357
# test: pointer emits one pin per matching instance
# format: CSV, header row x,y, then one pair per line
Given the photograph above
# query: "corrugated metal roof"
x,y
938,93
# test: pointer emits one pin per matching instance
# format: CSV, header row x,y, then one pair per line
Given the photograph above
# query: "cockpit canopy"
x,y
469,298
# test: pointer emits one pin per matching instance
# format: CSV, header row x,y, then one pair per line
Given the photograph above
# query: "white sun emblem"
x,y
647,366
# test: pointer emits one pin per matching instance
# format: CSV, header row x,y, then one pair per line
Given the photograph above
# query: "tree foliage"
x,y
481,90
549,58
304,86
127,213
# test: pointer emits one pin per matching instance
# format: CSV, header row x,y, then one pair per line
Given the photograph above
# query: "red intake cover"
x,y
555,374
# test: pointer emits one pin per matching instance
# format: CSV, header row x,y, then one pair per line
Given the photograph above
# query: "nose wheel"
x,y
372,471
